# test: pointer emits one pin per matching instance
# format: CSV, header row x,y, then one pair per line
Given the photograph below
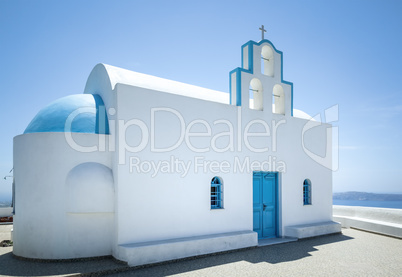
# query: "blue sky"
x,y
335,52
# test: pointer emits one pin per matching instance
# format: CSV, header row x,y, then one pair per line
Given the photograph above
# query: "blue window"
x,y
216,193
307,192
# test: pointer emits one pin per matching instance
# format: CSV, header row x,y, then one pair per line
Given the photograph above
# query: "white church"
x,y
148,170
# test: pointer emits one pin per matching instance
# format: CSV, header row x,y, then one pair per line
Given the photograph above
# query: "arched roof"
x,y
105,77
78,113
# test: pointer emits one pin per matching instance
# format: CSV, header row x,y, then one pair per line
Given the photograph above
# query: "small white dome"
x,y
301,114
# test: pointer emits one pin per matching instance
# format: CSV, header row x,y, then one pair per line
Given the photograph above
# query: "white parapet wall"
x,y
378,220
6,211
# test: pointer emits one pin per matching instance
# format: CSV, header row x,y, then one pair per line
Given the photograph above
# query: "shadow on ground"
x,y
13,266
273,254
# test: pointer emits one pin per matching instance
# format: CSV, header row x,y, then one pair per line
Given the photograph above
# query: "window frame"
x,y
307,193
216,193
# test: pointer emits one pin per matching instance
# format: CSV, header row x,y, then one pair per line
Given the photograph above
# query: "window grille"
x,y
216,193
307,192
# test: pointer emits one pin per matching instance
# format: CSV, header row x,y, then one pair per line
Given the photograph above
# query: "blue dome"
x,y
79,113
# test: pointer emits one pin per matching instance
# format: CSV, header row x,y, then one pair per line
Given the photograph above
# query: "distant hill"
x,y
362,196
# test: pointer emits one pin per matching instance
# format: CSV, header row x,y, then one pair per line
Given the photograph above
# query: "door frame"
x,y
277,194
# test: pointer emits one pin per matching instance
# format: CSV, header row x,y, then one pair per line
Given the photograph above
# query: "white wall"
x,y
170,206
378,220
46,225
6,211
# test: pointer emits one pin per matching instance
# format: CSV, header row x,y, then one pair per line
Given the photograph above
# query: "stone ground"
x,y
352,253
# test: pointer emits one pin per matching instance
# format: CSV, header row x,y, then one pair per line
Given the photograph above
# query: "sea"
x,y
368,203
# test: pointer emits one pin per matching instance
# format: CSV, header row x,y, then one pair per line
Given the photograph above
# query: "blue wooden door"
x,y
265,204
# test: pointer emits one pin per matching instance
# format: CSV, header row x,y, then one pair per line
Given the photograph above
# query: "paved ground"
x,y
353,253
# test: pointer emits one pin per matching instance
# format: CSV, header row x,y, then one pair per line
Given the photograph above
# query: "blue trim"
x,y
230,88
242,63
250,69
250,57
238,85
217,194
307,192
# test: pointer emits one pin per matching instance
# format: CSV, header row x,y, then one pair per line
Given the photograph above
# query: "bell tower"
x,y
258,84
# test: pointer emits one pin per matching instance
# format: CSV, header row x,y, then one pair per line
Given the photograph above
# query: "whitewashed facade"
x,y
125,169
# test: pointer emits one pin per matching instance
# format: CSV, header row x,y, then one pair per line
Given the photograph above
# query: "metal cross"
x,y
262,32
